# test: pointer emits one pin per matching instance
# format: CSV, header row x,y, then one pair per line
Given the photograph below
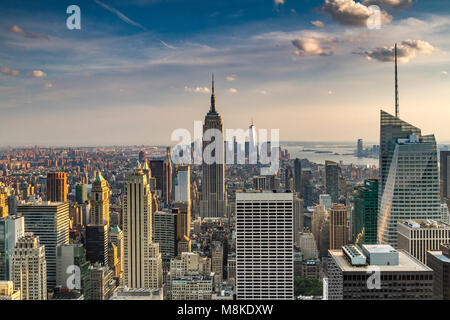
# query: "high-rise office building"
x,y
298,217
325,200
183,188
409,179
28,268
264,245
137,224
70,260
445,173
418,237
11,229
4,210
338,226
184,220
298,175
57,187
155,267
377,272
359,148
318,218
102,282
81,194
439,261
365,213
50,222
116,237
165,229
307,187
161,170
217,261
97,244
213,202
7,291
100,201
307,246
332,180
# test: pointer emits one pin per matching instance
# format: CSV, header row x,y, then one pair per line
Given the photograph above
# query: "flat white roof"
x,y
264,196
405,263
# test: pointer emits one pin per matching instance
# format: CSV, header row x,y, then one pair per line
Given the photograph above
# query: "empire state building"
x,y
213,202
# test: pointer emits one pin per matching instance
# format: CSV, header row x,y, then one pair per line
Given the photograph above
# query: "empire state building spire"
x,y
213,97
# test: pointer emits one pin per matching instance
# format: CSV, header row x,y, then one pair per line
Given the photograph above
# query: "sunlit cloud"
x,y
37,74
351,13
314,46
407,50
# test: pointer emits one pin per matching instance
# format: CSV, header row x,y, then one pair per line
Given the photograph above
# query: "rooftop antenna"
x,y
396,84
213,98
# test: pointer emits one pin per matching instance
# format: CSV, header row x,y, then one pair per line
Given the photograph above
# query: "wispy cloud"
x,y
8,71
318,23
232,90
18,30
197,89
394,4
120,15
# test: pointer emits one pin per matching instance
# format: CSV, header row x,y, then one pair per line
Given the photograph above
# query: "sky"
x,y
139,69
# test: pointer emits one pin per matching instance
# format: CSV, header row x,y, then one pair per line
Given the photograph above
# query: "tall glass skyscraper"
x,y
332,180
409,177
365,214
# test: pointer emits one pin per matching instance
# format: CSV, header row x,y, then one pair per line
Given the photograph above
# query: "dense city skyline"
x,y
300,67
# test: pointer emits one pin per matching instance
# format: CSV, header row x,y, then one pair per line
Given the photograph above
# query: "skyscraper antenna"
x,y
396,85
213,98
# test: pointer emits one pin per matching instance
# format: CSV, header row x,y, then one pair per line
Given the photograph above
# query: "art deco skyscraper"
x,y
213,202
57,187
100,201
137,224
28,268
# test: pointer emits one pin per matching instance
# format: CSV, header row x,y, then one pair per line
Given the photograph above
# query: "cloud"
x,y
48,85
33,35
314,46
393,4
197,89
8,71
37,74
444,73
260,91
231,78
278,2
120,15
232,90
351,13
318,23
407,50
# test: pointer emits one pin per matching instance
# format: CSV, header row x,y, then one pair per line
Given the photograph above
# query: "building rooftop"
x,y
379,248
423,224
406,263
